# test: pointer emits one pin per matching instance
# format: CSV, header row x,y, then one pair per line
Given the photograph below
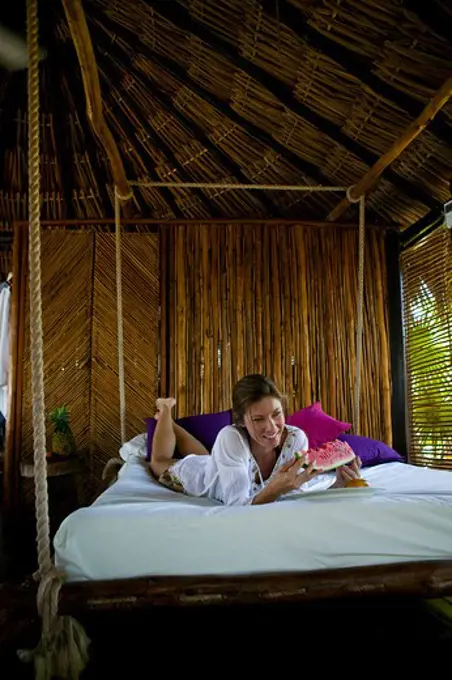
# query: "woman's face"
x,y
265,422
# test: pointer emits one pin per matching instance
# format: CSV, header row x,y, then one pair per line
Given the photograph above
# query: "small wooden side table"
x,y
59,468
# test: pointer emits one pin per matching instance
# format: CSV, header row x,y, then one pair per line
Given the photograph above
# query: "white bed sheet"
x,y
139,528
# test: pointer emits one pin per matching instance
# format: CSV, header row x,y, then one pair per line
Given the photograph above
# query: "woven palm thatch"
x,y
274,91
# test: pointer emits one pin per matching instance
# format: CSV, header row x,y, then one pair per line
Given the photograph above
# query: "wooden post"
x,y
82,41
398,401
412,131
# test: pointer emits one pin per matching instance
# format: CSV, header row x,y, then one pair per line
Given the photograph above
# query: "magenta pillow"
x,y
204,427
318,425
371,451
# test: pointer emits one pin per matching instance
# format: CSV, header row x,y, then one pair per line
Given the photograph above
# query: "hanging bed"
x,y
140,543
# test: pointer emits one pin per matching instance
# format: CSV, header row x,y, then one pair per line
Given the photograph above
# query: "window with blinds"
x,y
427,316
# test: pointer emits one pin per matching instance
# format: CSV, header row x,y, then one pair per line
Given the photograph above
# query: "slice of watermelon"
x,y
329,456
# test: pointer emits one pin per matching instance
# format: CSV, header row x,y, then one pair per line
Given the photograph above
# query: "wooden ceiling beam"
x,y
352,63
412,131
65,52
82,41
180,17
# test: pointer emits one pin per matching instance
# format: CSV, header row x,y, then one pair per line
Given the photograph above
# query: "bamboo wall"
x,y
279,300
237,299
80,339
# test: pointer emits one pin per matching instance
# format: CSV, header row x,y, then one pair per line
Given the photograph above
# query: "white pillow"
x,y
135,447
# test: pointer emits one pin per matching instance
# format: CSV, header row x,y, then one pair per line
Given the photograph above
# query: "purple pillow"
x,y
371,451
204,427
318,425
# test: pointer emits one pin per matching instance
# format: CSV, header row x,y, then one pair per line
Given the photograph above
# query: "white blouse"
x,y
231,474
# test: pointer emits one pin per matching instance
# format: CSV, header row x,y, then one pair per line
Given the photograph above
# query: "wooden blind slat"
x,y
427,315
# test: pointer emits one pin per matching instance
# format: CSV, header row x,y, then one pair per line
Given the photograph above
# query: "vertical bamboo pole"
x,y
181,321
258,292
249,305
216,312
206,274
286,338
192,315
267,325
232,303
385,389
304,318
276,275
239,236
295,311
197,358
226,364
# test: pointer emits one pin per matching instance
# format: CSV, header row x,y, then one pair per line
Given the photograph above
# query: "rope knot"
x,y
48,595
63,648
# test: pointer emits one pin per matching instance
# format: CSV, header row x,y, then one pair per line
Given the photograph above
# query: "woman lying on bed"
x,y
252,461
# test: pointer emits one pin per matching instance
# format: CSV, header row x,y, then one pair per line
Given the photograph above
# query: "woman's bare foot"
x,y
164,404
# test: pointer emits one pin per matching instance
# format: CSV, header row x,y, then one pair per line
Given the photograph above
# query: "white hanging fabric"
x,y
5,300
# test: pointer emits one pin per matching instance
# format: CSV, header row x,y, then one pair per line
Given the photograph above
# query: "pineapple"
x,y
63,442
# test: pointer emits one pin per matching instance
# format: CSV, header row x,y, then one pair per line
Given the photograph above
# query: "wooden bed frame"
x,y
426,579
423,579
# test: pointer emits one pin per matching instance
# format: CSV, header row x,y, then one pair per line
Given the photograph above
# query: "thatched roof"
x,y
265,91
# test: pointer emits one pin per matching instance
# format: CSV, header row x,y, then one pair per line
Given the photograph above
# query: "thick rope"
x,y
360,311
119,317
36,341
63,647
225,185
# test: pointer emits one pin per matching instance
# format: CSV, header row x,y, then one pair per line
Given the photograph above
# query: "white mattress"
x,y
138,528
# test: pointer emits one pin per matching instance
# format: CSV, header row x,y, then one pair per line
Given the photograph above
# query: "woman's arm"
x,y
267,495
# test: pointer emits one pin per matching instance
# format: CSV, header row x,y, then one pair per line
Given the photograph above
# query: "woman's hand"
x,y
289,478
346,473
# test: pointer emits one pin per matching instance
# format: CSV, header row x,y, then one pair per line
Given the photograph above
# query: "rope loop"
x,y
350,198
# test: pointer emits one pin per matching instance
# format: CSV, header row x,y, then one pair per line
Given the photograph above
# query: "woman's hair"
x,y
249,390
